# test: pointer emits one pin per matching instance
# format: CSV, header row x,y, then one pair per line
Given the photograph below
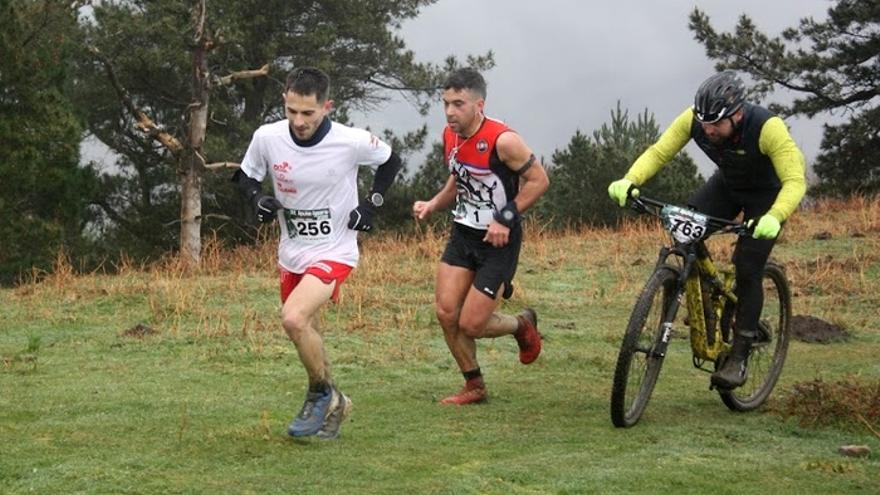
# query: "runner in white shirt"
x,y
313,164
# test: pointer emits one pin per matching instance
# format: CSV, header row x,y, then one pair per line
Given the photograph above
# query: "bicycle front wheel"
x,y
768,353
637,365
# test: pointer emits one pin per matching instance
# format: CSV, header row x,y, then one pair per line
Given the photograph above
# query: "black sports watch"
x,y
376,199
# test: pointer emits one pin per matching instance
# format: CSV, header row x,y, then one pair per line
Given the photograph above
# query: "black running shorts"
x,y
492,266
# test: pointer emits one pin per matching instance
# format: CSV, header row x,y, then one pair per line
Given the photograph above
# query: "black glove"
x,y
361,218
266,206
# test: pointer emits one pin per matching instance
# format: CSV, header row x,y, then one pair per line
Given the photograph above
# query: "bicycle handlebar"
x,y
650,206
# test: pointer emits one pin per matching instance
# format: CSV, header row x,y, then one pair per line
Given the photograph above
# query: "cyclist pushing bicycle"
x,y
760,173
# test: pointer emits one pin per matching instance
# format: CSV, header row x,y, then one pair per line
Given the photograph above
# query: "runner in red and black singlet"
x,y
493,177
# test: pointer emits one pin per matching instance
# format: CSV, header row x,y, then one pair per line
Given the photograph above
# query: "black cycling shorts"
x,y
492,266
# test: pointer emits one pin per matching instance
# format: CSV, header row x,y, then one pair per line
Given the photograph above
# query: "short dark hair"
x,y
466,78
308,81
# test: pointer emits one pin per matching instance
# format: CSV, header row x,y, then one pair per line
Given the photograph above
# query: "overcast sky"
x,y
562,65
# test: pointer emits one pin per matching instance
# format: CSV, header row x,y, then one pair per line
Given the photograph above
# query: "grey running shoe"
x,y
314,412
330,429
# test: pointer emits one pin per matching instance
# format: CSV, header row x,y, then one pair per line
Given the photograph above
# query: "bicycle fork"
x,y
669,313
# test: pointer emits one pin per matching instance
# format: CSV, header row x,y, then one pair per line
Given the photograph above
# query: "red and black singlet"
x,y
484,183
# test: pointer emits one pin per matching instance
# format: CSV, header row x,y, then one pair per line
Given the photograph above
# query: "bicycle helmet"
x,y
718,97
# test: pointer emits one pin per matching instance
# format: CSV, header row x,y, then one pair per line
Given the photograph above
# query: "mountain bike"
x,y
686,272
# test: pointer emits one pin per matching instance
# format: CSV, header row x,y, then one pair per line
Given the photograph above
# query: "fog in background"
x,y
562,65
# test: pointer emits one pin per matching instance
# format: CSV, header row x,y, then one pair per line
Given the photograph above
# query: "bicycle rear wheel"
x,y
637,366
768,353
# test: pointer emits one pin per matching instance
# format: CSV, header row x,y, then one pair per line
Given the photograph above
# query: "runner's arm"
x,y
515,153
249,187
385,174
443,199
446,196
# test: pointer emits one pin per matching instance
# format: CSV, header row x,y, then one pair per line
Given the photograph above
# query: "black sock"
x,y
322,387
472,374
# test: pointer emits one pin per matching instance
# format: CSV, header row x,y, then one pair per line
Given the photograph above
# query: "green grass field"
x,y
202,404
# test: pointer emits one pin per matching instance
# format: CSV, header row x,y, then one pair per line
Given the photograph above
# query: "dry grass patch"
x,y
851,403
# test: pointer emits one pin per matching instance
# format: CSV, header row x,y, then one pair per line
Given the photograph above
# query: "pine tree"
x,y
832,66
44,194
580,174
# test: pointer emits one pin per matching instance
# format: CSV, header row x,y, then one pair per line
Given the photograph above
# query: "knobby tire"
x,y
637,369
767,358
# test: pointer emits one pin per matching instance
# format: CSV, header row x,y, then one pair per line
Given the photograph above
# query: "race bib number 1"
x,y
473,216
308,224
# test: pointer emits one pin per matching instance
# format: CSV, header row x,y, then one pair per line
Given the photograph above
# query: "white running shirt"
x,y
317,186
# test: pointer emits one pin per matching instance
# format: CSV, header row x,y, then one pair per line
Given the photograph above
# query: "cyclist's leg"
x,y
749,258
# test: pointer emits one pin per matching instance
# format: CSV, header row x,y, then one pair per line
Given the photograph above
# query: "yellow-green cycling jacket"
x,y
762,155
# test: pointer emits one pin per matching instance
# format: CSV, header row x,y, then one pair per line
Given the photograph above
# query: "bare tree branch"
x,y
401,87
244,74
144,123
200,34
220,165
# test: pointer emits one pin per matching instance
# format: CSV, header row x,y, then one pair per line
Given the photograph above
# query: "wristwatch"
x,y
376,199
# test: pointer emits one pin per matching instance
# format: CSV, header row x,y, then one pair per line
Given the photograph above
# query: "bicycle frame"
x,y
695,268
706,337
